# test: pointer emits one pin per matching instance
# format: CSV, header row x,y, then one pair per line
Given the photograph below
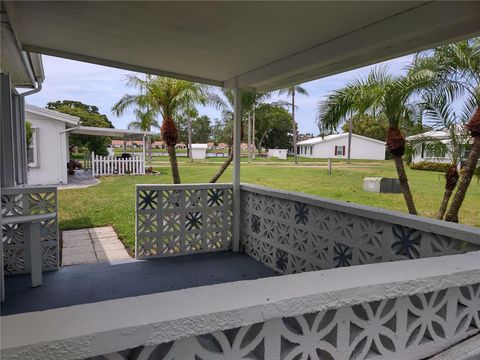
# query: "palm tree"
x,y
292,91
145,121
439,112
167,96
458,66
377,94
225,103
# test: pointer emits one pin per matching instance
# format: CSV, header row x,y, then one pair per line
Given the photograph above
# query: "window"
x,y
339,150
311,150
32,153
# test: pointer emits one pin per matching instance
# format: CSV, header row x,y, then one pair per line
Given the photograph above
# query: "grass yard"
x,y
113,201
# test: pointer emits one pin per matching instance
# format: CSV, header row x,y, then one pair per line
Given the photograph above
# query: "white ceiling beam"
x,y
420,28
119,65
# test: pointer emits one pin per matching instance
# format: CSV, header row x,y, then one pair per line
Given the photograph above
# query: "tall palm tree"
x,y
377,94
145,121
439,113
292,91
225,104
458,66
167,96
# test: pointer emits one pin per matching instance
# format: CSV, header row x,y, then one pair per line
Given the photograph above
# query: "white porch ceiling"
x,y
264,45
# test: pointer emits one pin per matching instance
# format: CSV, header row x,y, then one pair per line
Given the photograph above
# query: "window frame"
x,y
35,149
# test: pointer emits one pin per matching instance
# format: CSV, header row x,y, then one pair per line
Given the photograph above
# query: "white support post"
x,y
237,127
93,164
35,254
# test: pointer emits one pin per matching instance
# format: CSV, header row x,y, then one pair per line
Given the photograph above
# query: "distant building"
x,y
425,153
336,146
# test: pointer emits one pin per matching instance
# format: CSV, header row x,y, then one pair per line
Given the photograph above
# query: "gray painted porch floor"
x,y
91,283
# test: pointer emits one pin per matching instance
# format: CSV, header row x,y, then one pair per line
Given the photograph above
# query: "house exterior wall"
x,y
420,156
52,151
362,148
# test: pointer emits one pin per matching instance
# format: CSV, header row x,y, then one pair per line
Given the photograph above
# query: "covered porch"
x,y
233,270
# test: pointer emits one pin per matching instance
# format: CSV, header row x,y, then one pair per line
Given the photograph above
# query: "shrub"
x,y
431,166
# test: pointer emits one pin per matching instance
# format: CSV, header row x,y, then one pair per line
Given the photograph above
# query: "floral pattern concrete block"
x,y
29,201
408,327
290,235
183,219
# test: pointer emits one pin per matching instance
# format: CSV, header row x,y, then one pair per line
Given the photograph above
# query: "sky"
x,y
103,87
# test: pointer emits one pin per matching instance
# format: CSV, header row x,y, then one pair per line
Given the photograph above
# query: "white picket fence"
x,y
113,165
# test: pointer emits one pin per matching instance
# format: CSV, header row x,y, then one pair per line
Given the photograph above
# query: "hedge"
x,y
431,166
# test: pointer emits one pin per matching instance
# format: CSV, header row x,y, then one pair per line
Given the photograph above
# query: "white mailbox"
x,y
199,151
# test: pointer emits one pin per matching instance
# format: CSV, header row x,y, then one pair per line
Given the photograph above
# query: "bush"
x,y
431,166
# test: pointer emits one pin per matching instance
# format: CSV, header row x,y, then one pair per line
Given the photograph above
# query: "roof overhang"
x,y
263,45
25,69
51,114
119,133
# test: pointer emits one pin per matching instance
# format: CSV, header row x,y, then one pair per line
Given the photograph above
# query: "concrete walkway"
x,y
90,246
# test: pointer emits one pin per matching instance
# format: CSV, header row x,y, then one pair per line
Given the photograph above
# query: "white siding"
x,y
362,149
52,151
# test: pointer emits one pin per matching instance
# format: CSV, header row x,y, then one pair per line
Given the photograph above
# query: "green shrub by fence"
x,y
430,166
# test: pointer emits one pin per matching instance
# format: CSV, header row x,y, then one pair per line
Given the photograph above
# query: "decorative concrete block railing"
x,y
407,327
397,310
292,232
182,219
19,204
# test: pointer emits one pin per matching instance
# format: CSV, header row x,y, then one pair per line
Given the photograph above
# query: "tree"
x,y
369,126
222,131
378,94
274,126
167,96
145,121
456,67
292,91
89,116
439,112
225,103
201,130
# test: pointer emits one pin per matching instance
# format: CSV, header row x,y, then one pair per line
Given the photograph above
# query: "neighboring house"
x,y
425,153
336,146
48,150
117,144
157,145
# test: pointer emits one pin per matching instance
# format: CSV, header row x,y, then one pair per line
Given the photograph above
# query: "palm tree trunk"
x,y
350,130
170,136
294,128
222,169
253,133
190,138
402,177
173,163
467,174
451,180
249,137
443,206
149,140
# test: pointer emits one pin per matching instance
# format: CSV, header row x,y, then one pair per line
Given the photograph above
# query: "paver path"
x,y
89,246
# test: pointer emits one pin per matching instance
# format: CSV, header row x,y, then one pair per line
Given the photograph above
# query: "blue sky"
x,y
103,86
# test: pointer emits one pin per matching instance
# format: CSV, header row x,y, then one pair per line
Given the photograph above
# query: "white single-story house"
x,y
48,152
425,153
336,146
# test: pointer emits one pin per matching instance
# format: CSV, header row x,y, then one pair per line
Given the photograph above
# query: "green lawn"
x,y
112,201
